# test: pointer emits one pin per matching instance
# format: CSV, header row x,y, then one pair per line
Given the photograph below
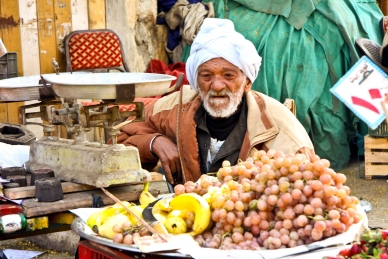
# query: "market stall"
x,y
234,212
270,206
265,226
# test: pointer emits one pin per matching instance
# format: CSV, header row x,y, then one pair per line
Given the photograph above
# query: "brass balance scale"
x,y
76,159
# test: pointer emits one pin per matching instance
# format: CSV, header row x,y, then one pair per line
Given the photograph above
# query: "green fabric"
x,y
305,51
295,11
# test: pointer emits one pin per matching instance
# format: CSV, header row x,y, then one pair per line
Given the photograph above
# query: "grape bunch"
x,y
273,200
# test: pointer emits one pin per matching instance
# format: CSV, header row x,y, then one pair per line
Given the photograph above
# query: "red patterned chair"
x,y
94,50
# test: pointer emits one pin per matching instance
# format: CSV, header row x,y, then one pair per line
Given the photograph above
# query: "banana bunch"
x,y
98,218
138,210
106,229
146,197
162,209
180,210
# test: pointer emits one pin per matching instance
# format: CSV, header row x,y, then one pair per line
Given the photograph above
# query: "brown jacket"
x,y
270,125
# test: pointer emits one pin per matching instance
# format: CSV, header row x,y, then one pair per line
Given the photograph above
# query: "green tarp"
x,y
306,46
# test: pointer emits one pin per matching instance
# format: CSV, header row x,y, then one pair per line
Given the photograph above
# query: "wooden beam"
x,y
46,35
32,208
62,10
3,112
96,11
29,38
67,187
29,44
10,35
384,6
29,191
79,15
10,29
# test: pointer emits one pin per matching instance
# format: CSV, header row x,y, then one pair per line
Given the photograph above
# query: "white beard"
x,y
232,106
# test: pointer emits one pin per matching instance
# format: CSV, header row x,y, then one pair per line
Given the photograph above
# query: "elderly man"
x,y
220,118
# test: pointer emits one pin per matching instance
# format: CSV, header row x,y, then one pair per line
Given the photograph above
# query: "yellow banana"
x,y
106,229
127,204
146,197
92,219
159,214
197,204
98,218
164,204
184,214
175,213
159,227
175,225
138,210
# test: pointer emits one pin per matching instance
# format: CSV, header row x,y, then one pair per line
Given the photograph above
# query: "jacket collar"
x,y
261,127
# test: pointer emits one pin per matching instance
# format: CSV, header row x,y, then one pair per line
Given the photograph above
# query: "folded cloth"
x,y
174,69
127,107
184,20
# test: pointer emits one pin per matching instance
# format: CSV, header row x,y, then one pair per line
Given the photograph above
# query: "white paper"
x,y
3,50
3,180
221,254
21,254
330,251
19,202
13,155
84,213
342,239
362,89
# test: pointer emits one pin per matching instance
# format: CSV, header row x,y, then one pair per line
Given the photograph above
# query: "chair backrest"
x,y
94,50
372,50
290,104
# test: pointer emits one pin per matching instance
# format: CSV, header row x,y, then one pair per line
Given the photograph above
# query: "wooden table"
x,y
76,196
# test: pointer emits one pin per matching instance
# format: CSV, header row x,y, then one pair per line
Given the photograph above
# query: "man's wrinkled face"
x,y
221,85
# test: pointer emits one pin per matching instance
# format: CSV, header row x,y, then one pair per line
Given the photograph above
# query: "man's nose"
x,y
218,84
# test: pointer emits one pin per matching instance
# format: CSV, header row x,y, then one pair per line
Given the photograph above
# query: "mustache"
x,y
223,92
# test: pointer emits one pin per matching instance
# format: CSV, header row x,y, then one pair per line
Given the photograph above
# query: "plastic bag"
x,y
13,155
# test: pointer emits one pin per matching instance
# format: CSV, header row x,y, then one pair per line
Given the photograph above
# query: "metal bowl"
x,y
102,86
79,227
26,88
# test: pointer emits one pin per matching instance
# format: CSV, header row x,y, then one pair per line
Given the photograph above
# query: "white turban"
x,y
217,38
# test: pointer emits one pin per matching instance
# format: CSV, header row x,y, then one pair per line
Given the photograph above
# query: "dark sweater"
x,y
232,130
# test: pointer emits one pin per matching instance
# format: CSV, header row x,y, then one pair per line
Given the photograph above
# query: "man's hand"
x,y
167,152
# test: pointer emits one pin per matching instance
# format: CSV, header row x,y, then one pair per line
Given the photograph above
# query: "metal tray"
x,y
79,227
102,86
26,88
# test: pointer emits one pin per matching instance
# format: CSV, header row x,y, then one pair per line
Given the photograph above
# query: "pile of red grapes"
x,y
272,201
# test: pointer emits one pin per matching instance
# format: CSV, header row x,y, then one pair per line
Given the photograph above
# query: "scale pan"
x,y
26,88
102,86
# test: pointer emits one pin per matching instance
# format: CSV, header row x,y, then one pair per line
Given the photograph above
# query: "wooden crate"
x,y
376,156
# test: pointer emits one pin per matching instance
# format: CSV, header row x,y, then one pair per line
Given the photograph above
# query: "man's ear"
x,y
248,85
